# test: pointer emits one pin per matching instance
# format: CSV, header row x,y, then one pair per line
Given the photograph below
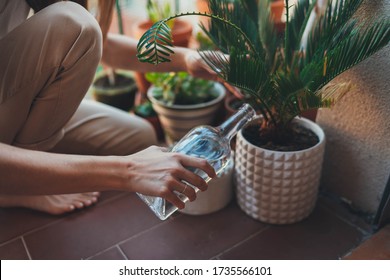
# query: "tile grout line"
x,y
338,215
365,234
121,251
29,232
55,222
26,248
240,242
341,218
129,238
146,231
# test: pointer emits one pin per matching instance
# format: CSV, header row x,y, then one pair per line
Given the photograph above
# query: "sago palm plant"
x,y
283,75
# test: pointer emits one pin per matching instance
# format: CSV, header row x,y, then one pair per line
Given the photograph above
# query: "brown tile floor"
x,y
120,226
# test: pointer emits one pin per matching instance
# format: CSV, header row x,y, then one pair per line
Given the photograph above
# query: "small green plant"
x,y
181,88
145,109
157,11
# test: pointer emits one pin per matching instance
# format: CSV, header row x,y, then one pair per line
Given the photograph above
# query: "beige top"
x,y
12,13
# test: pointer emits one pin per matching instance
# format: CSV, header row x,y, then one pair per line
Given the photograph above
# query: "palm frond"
x,y
217,62
298,97
297,26
256,83
255,68
299,20
267,34
231,69
223,36
153,47
250,7
332,93
337,15
354,49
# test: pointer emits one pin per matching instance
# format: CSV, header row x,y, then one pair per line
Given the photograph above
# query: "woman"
x,y
58,151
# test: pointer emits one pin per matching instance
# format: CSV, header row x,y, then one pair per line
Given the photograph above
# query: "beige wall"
x,y
357,159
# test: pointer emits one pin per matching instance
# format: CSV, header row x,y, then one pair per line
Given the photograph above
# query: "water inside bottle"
x,y
206,147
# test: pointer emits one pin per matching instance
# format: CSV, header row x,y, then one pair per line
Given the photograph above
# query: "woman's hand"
x,y
158,173
196,66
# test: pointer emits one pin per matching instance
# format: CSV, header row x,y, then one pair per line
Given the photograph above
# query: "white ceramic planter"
x,y
217,196
177,120
278,187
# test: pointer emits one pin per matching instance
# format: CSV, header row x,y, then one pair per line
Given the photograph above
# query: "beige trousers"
x,y
47,64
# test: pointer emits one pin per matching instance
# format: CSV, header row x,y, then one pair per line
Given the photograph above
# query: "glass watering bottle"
x,y
211,143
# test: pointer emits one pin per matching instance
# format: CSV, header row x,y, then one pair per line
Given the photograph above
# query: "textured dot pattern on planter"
x,y
277,187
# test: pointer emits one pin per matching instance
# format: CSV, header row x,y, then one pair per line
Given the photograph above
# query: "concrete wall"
x,y
357,159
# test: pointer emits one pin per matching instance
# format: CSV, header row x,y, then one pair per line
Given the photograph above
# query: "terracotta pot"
x,y
311,114
277,9
203,7
177,120
278,187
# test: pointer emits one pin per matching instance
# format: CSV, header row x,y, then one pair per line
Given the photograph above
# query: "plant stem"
x,y
119,15
111,76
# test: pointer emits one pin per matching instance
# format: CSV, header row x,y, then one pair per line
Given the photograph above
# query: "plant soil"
x,y
299,138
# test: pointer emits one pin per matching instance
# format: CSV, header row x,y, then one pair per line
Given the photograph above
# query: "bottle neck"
x,y
232,125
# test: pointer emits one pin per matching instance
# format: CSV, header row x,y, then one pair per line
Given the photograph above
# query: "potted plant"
x,y
183,102
113,87
284,78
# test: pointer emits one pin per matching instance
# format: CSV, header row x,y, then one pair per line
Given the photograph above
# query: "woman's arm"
x,y
151,172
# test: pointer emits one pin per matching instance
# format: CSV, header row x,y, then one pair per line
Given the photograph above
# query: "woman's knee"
x,y
136,136
75,27
146,135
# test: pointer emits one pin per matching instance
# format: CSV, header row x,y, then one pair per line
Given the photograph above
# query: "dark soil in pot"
x,y
120,95
298,138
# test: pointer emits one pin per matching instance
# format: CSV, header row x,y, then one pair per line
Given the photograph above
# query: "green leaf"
x,y
154,45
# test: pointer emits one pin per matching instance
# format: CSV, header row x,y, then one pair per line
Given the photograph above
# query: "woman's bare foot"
x,y
52,204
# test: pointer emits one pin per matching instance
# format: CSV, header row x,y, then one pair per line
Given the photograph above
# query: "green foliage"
x,y
158,11
204,42
283,75
181,88
145,109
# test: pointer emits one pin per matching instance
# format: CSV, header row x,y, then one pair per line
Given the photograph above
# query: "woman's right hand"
x,y
156,172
